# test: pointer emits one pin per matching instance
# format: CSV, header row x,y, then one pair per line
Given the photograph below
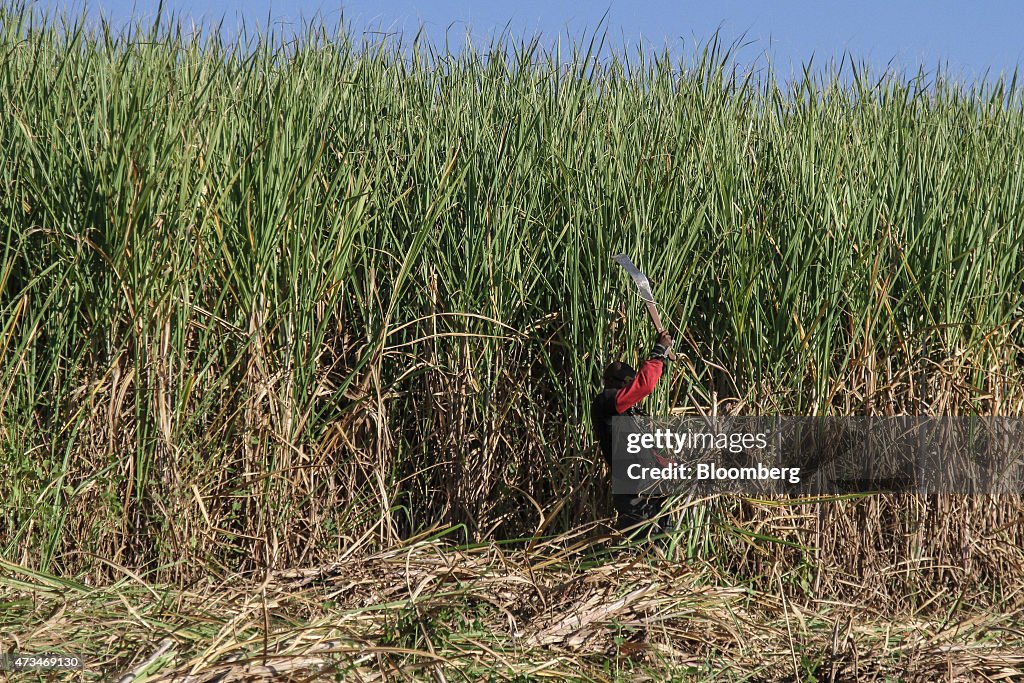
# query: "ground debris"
x,y
432,611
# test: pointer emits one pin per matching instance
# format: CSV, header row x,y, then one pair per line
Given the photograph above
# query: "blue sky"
x,y
969,37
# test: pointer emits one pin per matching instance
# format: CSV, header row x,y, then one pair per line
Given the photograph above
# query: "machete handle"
x,y
659,327
671,355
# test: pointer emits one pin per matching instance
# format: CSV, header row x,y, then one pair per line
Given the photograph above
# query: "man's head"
x,y
618,375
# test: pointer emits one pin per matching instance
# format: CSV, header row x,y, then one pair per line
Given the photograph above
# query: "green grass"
x,y
265,303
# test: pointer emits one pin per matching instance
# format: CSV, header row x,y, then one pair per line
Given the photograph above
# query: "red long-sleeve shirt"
x,y
643,383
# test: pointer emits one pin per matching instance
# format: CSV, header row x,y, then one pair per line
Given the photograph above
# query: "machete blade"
x,y
644,287
642,283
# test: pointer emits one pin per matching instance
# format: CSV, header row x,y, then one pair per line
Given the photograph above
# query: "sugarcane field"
x,y
339,354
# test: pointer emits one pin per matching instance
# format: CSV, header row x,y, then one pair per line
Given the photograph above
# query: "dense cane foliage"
x,y
265,302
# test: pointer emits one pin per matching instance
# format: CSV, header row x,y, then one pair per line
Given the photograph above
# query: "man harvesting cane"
x,y
623,390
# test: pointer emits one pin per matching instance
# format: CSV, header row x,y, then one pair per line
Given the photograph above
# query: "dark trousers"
x,y
636,510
